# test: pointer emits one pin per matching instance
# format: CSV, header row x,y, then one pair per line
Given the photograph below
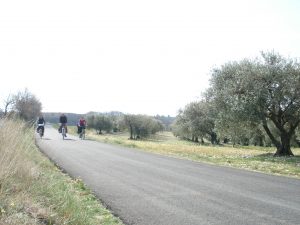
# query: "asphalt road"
x,y
147,189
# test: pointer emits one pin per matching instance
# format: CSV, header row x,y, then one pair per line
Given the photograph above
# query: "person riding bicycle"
x,y
40,123
63,122
81,125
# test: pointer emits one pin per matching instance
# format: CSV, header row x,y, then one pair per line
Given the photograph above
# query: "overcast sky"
x,y
141,57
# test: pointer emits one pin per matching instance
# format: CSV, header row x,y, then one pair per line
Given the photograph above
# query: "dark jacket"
x,y
63,119
41,120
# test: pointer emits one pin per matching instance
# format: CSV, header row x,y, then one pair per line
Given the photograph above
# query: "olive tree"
x,y
141,125
262,91
196,121
100,123
26,105
181,126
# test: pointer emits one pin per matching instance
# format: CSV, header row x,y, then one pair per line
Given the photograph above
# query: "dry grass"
x,y
11,141
33,191
15,172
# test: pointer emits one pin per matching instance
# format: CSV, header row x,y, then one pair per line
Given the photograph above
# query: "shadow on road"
x,y
46,139
69,139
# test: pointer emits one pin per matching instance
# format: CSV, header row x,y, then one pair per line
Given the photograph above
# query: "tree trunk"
x,y
196,139
273,139
260,141
213,137
131,132
285,148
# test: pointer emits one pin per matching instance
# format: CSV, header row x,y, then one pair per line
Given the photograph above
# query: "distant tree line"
x,y
248,102
167,121
138,126
53,117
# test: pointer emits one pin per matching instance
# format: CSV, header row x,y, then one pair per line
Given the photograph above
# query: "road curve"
x,y
148,189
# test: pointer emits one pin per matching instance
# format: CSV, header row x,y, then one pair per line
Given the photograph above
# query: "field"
x,y
251,157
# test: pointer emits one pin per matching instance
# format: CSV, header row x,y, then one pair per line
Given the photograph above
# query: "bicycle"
x,y
63,131
82,133
40,130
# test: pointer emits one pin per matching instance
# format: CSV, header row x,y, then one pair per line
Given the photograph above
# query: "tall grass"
x,y
14,146
33,191
15,170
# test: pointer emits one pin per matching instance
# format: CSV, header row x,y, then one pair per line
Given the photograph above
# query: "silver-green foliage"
x,y
260,91
100,123
141,125
195,121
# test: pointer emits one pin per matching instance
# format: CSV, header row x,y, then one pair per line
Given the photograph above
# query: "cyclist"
x,y
63,122
40,123
81,125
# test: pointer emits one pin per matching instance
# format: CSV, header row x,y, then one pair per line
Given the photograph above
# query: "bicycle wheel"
x,y
41,132
83,134
63,133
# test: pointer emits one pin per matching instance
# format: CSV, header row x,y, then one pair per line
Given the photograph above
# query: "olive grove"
x,y
253,98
